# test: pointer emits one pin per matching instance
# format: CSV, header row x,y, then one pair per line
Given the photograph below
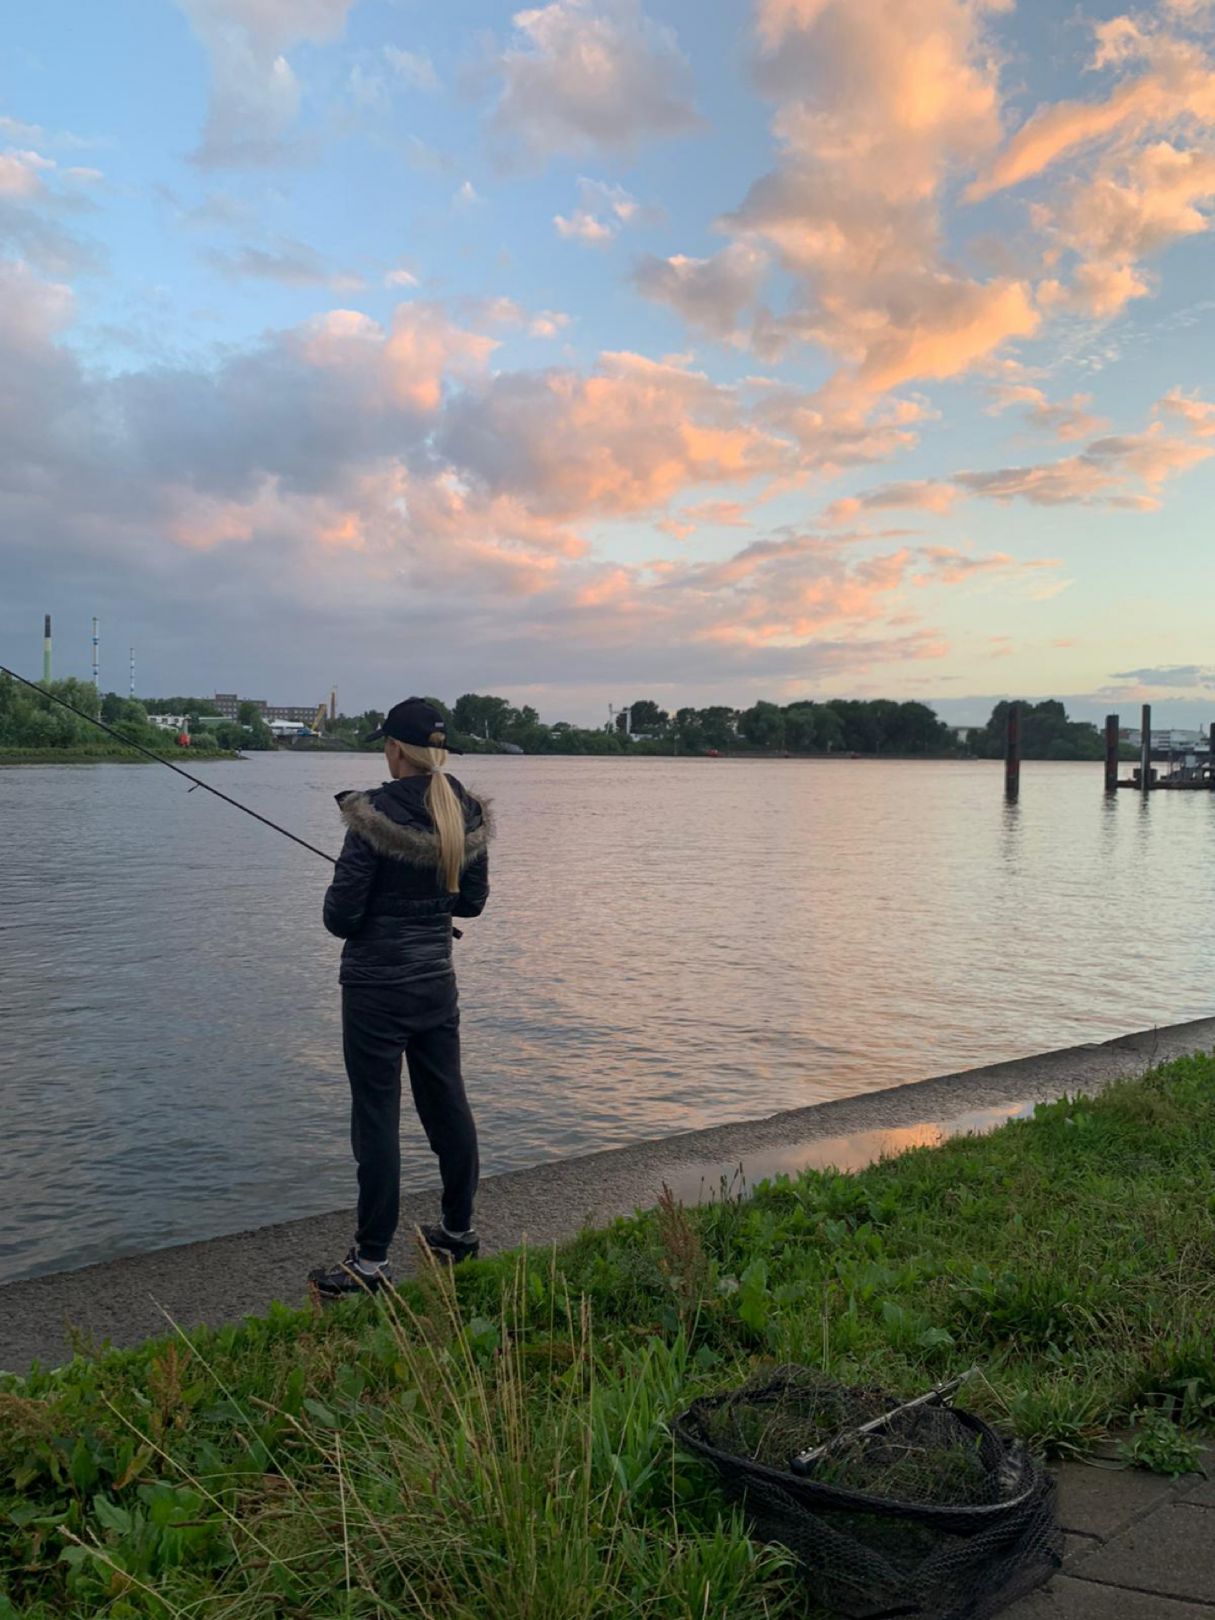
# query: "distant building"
x,y
291,728
1168,740
229,704
170,722
963,734
303,713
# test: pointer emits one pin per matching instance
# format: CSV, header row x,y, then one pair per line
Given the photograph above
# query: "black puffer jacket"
x,y
387,899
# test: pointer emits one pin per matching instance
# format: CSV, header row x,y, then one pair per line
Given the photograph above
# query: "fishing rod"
x,y
168,764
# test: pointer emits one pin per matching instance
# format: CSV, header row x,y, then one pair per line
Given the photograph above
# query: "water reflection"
x,y
701,1182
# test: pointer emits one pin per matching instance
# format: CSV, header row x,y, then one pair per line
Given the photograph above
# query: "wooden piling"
x,y
1145,750
1112,729
1012,752
1211,758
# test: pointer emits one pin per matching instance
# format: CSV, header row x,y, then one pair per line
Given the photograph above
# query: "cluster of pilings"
x,y
1146,778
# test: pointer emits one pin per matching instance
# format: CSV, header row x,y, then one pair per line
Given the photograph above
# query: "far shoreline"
x,y
80,756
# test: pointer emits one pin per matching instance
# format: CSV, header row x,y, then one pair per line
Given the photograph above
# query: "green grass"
x,y
498,1445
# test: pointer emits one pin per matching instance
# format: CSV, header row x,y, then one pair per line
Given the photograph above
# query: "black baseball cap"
x,y
415,723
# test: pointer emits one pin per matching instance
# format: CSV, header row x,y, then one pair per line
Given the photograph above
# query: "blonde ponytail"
x,y
445,809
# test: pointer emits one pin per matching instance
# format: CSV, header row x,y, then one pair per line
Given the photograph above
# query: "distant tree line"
x,y
478,722
29,722
481,723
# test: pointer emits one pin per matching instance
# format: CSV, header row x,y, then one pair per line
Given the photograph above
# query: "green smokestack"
x,y
46,651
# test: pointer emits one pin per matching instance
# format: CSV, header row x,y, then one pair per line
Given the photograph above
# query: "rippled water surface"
x,y
669,944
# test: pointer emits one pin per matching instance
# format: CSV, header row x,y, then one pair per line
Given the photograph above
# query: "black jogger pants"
x,y
380,1027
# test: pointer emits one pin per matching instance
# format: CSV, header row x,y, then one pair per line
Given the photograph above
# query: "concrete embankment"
x,y
221,1280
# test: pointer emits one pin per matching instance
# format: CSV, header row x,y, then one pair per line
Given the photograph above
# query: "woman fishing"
x,y
415,856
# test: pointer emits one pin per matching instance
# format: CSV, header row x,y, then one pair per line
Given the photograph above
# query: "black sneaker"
x,y
345,1279
444,1246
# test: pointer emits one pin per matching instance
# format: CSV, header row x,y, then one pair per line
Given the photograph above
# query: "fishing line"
x,y
168,764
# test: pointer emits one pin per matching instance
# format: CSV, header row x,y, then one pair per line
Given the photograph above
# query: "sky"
x,y
610,349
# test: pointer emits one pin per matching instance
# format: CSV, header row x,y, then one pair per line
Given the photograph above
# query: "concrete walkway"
x,y
1138,1547
226,1278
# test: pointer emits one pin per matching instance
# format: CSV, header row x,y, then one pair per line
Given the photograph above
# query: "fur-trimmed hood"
x,y
411,839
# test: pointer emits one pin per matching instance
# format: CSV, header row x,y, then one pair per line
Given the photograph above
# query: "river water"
x,y
669,944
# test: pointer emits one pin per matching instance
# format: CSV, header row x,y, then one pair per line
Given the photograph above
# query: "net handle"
x,y
936,1396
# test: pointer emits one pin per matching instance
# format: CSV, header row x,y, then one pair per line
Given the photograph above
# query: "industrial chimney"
x,y
46,651
96,658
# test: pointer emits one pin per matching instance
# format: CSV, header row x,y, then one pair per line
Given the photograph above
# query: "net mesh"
x,y
933,1514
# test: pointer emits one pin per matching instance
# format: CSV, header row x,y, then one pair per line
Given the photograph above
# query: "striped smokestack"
x,y
96,657
46,650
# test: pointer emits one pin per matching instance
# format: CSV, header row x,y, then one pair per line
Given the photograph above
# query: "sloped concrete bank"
x,y
221,1280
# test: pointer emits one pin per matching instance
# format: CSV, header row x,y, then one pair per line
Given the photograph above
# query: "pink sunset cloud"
x,y
1066,419
578,77
1177,83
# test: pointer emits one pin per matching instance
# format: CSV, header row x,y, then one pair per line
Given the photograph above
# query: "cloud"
x,y
922,495
947,565
1135,205
1067,419
1099,290
583,227
400,277
23,174
624,439
43,243
832,435
1198,414
1189,676
709,294
255,96
1119,470
414,68
216,209
1177,85
721,514
547,323
21,133
466,195
291,264
508,312
1141,171
16,129
424,159
605,210
34,195
589,77
784,590
877,107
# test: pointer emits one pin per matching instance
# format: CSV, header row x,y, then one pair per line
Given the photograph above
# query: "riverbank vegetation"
x,y
497,1442
35,730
